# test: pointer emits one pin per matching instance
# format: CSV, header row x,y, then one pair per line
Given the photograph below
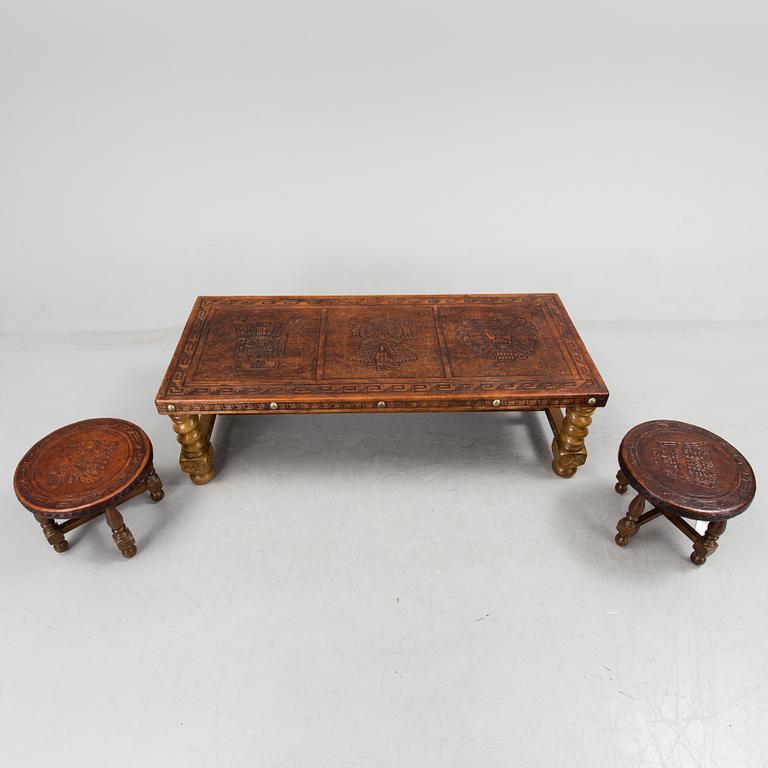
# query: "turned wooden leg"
x,y
627,527
192,432
52,533
154,485
707,544
568,446
120,533
621,482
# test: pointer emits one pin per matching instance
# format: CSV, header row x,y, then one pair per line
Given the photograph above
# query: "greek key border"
x,y
141,453
174,387
746,482
529,404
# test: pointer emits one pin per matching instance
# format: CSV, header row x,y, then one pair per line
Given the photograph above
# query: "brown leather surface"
x,y
240,354
82,467
688,470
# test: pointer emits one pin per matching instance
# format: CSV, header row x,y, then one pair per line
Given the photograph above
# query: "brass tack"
x,y
170,408
496,403
381,404
591,401
274,406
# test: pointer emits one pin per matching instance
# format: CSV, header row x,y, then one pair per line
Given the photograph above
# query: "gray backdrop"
x,y
152,151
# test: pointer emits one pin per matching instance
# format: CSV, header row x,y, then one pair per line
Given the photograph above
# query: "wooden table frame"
x,y
374,354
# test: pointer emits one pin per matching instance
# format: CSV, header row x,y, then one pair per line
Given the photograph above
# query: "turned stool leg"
x,y
154,485
627,527
707,544
621,482
120,533
52,533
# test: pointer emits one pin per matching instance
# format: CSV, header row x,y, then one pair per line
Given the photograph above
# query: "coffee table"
x,y
350,354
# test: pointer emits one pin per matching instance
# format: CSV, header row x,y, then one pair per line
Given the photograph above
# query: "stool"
x,y
83,470
683,471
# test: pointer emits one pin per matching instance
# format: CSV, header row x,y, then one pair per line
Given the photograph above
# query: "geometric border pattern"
x,y
737,499
139,462
238,398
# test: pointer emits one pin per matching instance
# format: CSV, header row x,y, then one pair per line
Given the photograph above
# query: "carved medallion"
x,y
382,342
261,343
494,338
682,460
82,463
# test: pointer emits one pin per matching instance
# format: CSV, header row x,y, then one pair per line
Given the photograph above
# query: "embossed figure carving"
x,y
511,338
82,463
260,343
683,460
382,342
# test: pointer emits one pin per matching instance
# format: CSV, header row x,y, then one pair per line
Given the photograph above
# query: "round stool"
x,y
83,470
683,471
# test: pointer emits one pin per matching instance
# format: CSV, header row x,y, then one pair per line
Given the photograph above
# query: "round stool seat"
x,y
83,467
687,470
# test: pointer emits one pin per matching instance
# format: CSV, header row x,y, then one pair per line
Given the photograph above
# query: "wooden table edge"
x,y
377,403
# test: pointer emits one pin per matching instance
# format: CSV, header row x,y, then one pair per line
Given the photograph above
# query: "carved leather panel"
x,y
238,353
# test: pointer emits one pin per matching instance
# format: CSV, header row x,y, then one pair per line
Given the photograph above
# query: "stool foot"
x,y
52,533
120,532
627,527
154,485
621,482
707,544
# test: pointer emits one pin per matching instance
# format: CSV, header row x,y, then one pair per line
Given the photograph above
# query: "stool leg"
x,y
707,544
120,533
52,533
621,482
154,485
627,527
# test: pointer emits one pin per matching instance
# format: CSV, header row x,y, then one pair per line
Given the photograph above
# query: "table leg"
x,y
568,446
193,433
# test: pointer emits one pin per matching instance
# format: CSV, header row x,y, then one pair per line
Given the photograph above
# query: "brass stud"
x,y
381,404
273,406
496,403
170,408
591,401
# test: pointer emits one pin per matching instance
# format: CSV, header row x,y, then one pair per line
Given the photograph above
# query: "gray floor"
x,y
386,590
